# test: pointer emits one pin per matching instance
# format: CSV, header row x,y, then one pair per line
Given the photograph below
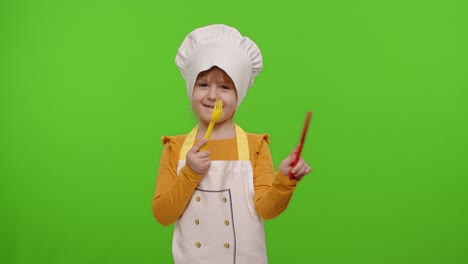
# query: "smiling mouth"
x,y
209,106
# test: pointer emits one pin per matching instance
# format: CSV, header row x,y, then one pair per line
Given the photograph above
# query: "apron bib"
x,y
220,224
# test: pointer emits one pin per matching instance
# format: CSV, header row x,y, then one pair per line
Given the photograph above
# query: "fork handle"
x,y
208,135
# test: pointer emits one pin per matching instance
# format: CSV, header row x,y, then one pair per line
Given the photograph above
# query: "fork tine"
x,y
218,104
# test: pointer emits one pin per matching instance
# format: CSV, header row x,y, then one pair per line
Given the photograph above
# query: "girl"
x,y
218,197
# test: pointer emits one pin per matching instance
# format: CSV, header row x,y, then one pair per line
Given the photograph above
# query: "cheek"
x,y
231,104
196,96
230,96
198,92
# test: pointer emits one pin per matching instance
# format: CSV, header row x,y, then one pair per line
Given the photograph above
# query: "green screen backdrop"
x,y
88,88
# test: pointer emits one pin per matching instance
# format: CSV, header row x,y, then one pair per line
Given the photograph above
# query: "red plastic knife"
x,y
304,132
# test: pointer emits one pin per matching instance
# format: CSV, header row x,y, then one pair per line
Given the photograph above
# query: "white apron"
x,y
220,224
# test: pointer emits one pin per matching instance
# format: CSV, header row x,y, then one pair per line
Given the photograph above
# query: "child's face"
x,y
210,85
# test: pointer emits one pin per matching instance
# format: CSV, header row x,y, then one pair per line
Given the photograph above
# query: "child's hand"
x,y
199,161
301,168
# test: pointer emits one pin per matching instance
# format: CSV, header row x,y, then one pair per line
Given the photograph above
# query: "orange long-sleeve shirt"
x,y
173,192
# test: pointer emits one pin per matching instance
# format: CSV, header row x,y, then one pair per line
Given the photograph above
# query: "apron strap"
x,y
242,143
188,143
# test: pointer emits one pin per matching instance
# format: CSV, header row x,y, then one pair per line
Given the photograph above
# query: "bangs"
x,y
216,74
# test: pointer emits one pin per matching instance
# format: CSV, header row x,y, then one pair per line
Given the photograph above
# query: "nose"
x,y
213,93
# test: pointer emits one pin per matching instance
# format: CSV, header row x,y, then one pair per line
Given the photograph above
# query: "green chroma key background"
x,y
88,88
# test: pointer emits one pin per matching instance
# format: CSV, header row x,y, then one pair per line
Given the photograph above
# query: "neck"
x,y
221,130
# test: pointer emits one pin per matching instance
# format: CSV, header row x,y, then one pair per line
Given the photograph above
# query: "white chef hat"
x,y
222,46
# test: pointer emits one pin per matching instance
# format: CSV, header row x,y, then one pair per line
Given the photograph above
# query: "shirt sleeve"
x,y
273,190
172,192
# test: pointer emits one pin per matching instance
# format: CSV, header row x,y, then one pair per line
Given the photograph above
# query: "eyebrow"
x,y
221,81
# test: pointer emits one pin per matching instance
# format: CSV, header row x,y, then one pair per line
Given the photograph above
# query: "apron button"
x,y
197,198
226,245
197,221
226,222
224,199
198,244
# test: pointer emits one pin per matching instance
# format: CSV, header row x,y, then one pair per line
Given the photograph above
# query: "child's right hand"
x,y
199,161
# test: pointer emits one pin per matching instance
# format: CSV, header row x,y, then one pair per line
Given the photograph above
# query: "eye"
x,y
225,87
202,84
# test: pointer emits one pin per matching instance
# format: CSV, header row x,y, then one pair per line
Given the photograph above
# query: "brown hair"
x,y
217,74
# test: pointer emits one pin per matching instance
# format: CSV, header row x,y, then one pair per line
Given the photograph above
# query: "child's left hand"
x,y
299,171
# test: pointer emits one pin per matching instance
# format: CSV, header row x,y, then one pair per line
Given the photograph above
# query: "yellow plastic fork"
x,y
217,111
